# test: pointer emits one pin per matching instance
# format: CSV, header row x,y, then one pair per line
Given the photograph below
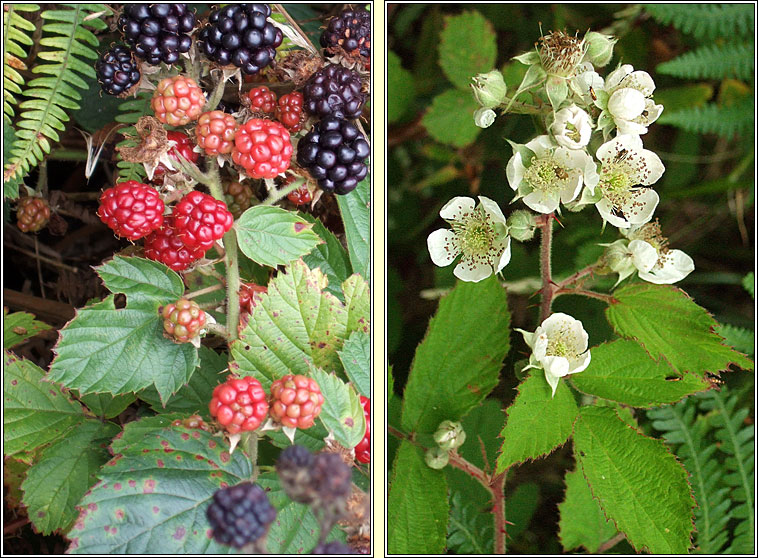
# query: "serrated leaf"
x,y
582,521
273,236
356,360
738,337
14,473
417,504
194,396
467,47
141,279
341,413
152,497
67,469
622,371
358,304
330,257
450,118
538,422
312,438
35,411
138,429
104,349
469,531
19,326
355,210
105,405
458,362
748,282
400,88
654,511
669,324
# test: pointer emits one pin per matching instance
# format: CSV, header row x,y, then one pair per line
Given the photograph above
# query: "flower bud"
x,y
436,458
484,117
489,89
522,225
449,435
600,49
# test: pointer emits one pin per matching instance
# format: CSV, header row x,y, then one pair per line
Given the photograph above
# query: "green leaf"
x,y
341,413
469,531
458,362
740,338
537,422
355,209
296,321
640,485
274,236
312,438
193,397
152,497
19,326
356,360
582,521
450,118
417,504
104,349
467,47
748,282
107,406
35,411
138,429
141,279
330,257
401,90
622,371
67,469
670,325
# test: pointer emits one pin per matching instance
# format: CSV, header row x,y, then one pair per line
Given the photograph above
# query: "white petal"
x,y
605,207
630,127
571,191
541,145
474,272
505,257
626,103
580,364
529,336
541,201
552,382
653,111
539,349
676,266
514,171
617,75
442,247
641,81
644,255
554,322
492,209
653,168
648,199
455,208
557,366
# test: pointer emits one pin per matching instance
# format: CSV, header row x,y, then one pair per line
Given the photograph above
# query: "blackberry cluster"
x,y
117,70
240,514
334,152
239,34
333,547
334,91
350,30
157,32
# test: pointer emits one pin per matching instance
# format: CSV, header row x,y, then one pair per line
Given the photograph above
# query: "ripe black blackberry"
x,y
334,91
334,152
333,547
240,514
239,34
117,70
350,30
157,32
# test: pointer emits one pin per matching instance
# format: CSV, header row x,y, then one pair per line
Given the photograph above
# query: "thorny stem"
x,y
589,294
545,223
277,195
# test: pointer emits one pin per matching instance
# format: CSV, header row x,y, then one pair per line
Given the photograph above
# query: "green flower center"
x,y
547,175
476,236
563,343
572,133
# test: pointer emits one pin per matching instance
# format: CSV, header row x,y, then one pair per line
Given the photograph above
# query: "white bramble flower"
x,y
624,166
559,347
587,83
555,174
658,263
628,100
572,127
479,234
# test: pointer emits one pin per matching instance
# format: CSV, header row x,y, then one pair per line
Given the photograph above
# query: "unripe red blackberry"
x,y
32,214
334,91
201,220
263,148
240,34
117,71
238,197
131,209
177,100
296,401
289,111
363,449
262,99
157,32
165,245
215,132
240,514
239,404
350,30
183,320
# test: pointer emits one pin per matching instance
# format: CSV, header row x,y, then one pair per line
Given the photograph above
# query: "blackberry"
x,y
240,514
240,34
157,32
334,152
293,467
333,547
334,91
331,478
350,30
117,70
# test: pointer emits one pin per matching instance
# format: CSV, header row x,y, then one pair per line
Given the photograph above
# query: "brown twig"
x,y
610,543
41,258
14,526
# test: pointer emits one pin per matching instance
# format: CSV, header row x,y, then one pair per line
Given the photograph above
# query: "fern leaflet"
x,y
131,111
16,31
469,531
706,20
738,337
726,121
748,282
713,62
67,36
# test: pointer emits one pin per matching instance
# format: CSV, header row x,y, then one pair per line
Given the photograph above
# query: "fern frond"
x,y
706,20
737,443
469,531
689,435
726,121
16,31
748,282
713,62
738,337
131,111
66,36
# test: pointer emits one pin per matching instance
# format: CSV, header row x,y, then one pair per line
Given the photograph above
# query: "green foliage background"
x,y
704,137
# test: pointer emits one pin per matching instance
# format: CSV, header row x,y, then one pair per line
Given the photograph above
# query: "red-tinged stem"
x,y
589,294
545,223
575,277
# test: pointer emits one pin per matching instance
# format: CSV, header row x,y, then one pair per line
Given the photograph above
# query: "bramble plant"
x,y
236,329
588,155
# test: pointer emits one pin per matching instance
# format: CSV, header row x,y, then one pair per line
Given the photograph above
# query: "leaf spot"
x,y
156,509
119,514
92,506
160,463
349,422
132,483
179,533
225,456
117,486
149,486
